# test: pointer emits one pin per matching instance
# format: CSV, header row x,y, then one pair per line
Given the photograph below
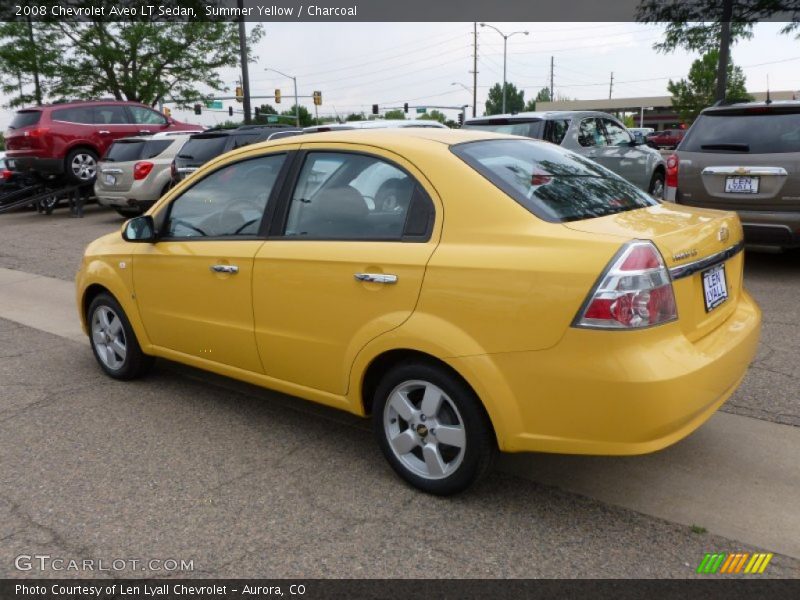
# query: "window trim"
x,y
266,217
281,217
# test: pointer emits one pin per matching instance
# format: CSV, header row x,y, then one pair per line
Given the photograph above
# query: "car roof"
x,y
71,103
169,134
544,114
773,104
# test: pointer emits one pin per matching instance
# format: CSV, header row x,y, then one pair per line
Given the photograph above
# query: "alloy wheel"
x,y
84,166
108,337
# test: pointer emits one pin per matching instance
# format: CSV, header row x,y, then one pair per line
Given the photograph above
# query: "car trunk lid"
x,y
693,242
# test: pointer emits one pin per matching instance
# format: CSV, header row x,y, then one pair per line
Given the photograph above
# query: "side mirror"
x,y
139,229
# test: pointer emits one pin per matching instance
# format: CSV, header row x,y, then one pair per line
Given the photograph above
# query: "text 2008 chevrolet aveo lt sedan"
x,y
470,291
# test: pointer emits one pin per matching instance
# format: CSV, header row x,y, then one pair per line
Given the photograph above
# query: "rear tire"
x,y
432,428
80,166
113,341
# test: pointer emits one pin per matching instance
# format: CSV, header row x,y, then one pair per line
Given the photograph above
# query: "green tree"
x,y
434,115
396,115
137,59
515,99
542,96
356,117
690,96
306,119
629,121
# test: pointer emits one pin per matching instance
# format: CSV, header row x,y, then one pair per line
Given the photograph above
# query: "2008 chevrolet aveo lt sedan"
x,y
470,291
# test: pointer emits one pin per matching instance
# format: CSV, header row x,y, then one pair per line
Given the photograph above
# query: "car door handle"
x,y
233,269
376,277
144,131
103,132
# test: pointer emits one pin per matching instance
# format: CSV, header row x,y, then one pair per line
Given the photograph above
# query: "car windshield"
x,y
554,184
755,130
25,118
528,127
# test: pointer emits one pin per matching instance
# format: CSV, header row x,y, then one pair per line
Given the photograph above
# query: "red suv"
x,y
669,138
66,139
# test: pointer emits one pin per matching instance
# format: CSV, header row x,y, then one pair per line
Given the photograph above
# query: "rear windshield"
x,y
554,184
25,118
125,150
775,131
202,149
529,128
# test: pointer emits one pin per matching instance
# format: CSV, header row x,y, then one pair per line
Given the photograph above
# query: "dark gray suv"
x,y
744,157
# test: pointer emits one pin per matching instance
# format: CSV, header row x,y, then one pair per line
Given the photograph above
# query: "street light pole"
x,y
505,55
296,105
243,60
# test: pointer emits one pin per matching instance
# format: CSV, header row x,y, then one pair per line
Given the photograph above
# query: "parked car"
x,y
135,172
667,139
202,147
595,135
10,181
66,139
556,308
640,133
744,157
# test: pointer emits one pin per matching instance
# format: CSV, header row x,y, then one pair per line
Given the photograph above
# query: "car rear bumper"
x,y
615,392
122,201
35,164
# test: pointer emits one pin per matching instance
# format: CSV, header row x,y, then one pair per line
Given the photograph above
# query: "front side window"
x,y
145,116
230,202
616,134
351,197
590,133
552,183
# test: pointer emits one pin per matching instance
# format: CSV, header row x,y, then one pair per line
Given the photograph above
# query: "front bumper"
x,y
615,392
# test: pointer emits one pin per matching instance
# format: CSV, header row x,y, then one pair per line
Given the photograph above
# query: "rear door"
x,y
111,122
345,262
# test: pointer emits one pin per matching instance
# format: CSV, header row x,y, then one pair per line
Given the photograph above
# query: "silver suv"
x,y
596,135
744,157
135,171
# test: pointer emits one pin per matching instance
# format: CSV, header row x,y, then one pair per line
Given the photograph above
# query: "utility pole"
x,y
552,91
243,58
611,85
474,66
37,89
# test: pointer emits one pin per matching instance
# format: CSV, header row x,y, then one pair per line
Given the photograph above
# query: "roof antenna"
x,y
768,100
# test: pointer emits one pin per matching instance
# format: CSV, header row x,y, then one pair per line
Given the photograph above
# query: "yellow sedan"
x,y
469,291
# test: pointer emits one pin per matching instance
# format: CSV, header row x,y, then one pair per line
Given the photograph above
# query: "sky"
x,y
356,65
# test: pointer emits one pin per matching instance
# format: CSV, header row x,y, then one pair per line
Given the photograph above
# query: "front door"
x,y
346,266
194,286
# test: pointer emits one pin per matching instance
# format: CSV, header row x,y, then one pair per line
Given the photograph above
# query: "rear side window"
x,y
25,118
75,114
153,148
556,130
528,128
552,183
203,149
124,151
772,131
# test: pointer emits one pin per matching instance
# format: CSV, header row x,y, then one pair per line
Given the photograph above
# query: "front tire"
x,y
432,428
657,188
113,341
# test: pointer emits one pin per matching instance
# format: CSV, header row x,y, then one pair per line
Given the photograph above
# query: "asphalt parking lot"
x,y
246,482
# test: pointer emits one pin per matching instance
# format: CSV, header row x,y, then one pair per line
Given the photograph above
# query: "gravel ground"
x,y
246,482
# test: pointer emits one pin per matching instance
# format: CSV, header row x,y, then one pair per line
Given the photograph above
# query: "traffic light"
x,y
405,108
277,96
239,93
230,111
257,111
198,109
167,112
374,109
461,118
317,98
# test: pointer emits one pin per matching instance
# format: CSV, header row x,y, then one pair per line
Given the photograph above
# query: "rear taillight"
x,y
635,291
37,132
672,171
142,169
5,174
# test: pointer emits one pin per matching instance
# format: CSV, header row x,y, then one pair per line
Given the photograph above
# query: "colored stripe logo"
x,y
737,562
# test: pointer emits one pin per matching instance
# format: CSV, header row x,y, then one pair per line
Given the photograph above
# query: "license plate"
x,y
741,185
111,180
715,288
